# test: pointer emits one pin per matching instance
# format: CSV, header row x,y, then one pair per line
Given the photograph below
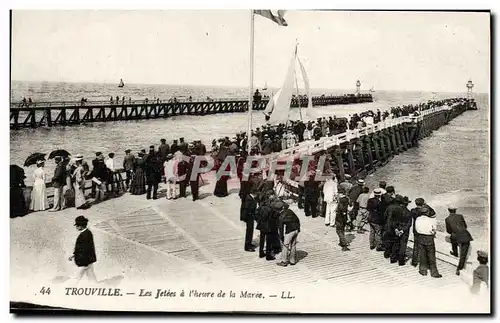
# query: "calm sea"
x,y
449,167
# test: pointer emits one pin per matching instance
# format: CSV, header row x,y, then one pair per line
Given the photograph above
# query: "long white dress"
x,y
39,193
330,193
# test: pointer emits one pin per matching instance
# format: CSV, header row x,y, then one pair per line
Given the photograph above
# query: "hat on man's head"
x,y
360,181
151,147
78,157
140,154
377,191
170,155
143,151
191,145
347,176
127,151
452,208
482,254
382,184
406,200
419,201
57,159
81,220
163,140
111,155
98,153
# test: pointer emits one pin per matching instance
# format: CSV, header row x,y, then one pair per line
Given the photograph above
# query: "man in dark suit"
x,y
194,183
153,173
460,236
247,215
84,253
58,182
376,220
263,225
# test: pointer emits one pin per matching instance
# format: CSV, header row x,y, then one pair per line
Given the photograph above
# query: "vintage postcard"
x,y
269,161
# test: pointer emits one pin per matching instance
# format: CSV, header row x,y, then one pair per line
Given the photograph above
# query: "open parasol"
x,y
60,153
33,158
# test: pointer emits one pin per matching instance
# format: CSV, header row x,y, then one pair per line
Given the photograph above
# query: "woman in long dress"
x,y
79,183
39,193
221,184
68,190
138,185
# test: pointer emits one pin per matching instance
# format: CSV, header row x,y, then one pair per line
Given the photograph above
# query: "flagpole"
x,y
250,88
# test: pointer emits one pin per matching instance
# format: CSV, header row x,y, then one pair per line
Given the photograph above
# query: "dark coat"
x,y
153,168
164,150
457,228
374,206
288,222
249,208
84,249
265,214
59,179
354,193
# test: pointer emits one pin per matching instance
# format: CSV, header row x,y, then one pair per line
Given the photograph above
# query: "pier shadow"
x,y
233,191
350,237
112,281
203,195
301,254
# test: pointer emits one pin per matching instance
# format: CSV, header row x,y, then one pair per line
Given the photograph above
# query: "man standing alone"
x,y
84,253
459,236
289,228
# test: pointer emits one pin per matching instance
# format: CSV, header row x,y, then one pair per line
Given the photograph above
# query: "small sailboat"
x,y
121,84
265,87
278,108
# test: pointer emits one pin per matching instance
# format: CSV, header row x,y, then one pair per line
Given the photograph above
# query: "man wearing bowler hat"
x,y
459,236
84,254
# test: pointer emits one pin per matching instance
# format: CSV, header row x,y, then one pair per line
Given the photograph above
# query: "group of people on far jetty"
x,y
347,206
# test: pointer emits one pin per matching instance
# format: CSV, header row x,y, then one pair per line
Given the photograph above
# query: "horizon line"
x,y
240,87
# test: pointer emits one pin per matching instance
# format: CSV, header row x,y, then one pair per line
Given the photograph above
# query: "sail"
x,y
308,88
271,104
284,96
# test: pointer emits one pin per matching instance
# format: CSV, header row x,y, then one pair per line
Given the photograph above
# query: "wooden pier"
x,y
50,114
176,240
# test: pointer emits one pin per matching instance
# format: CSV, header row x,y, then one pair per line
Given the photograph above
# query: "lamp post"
x,y
358,87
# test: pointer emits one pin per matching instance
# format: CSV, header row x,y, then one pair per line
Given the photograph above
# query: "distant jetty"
x,y
50,114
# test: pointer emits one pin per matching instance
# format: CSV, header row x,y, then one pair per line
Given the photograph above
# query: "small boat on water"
x,y
265,87
121,83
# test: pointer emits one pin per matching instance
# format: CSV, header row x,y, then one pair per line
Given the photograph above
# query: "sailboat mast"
x,y
250,88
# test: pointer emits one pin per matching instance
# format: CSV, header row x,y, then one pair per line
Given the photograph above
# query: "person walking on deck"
x,y
289,228
58,182
376,220
84,253
341,220
426,229
39,192
460,237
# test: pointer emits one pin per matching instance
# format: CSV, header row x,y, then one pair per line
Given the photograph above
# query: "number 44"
x,y
45,290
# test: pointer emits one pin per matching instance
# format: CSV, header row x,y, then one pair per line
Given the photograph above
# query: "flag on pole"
x,y
274,15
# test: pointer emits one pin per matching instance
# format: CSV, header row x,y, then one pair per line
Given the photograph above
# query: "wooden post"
x,y
340,163
368,149
378,151
359,151
350,159
48,113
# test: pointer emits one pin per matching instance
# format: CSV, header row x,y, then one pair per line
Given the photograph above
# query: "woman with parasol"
x,y
39,193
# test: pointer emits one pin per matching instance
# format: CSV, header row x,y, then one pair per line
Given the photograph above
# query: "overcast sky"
x,y
387,50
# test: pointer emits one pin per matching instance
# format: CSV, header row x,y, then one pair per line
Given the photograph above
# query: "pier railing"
x,y
49,114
